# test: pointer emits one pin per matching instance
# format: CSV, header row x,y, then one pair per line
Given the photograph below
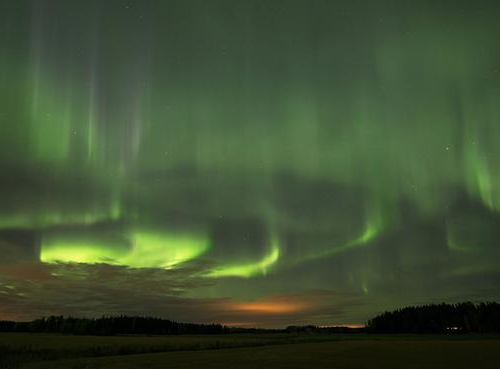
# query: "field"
x,y
44,351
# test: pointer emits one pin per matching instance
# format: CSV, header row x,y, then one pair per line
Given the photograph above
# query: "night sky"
x,y
253,162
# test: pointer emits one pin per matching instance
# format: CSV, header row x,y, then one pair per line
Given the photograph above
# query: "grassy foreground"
x,y
249,351
19,349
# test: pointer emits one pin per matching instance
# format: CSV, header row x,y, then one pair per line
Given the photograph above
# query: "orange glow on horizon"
x,y
271,307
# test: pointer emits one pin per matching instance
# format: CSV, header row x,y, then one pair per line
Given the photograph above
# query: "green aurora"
x,y
265,148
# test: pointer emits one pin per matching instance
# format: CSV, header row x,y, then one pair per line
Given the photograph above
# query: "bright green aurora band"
x,y
274,147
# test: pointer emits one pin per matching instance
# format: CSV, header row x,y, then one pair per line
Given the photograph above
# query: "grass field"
x,y
44,351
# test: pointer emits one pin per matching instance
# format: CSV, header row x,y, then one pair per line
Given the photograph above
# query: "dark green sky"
x,y
248,162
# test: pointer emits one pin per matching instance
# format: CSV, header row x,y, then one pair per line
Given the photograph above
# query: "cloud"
x,y
31,290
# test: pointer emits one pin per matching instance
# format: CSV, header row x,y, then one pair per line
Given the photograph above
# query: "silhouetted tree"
x,y
442,318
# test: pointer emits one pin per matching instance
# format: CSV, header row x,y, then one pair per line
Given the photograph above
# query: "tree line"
x,y
118,325
111,325
465,317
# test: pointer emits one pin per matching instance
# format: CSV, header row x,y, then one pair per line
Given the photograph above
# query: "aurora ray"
x,y
251,269
250,149
138,249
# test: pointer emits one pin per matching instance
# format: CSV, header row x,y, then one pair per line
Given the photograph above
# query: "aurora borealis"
x,y
248,162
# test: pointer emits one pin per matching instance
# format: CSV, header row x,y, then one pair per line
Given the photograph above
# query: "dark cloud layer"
x,y
32,290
